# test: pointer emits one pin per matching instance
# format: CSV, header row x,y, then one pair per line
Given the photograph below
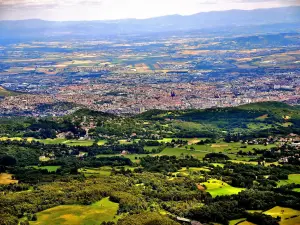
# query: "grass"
x,y
54,141
219,188
6,178
253,162
104,171
196,169
285,214
234,222
246,223
101,211
293,178
49,168
218,164
182,151
296,189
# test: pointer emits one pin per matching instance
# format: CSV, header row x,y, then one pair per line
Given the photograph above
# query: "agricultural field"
x,y
219,188
49,168
56,141
6,178
101,211
293,178
288,216
102,171
235,222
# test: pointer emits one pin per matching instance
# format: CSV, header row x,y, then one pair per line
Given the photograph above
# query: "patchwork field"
x,y
218,188
101,211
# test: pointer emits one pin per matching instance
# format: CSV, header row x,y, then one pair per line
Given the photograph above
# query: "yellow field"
x,y
6,178
285,214
142,67
219,145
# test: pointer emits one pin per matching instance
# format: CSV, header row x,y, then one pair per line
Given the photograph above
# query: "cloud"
x,y
118,9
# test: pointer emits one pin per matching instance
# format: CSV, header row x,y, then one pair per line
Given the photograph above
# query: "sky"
x,y
75,10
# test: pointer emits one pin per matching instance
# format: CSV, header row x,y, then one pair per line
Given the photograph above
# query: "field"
x,y
6,178
49,168
96,213
67,142
218,188
234,222
296,189
105,171
57,141
285,214
293,178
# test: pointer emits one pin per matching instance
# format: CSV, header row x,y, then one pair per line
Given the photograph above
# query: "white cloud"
x,y
119,9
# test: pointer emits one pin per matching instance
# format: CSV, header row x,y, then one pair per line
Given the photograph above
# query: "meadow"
x,y
293,178
104,171
49,168
101,211
219,188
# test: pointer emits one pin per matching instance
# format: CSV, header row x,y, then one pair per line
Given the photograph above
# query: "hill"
x,y
253,120
260,118
4,92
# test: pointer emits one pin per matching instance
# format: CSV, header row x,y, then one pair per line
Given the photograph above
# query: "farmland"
x,y
293,178
6,178
219,188
98,212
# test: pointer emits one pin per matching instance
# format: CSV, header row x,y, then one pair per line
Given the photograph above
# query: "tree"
x,y
7,160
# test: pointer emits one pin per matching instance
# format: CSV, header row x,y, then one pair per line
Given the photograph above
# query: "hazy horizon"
x,y
78,10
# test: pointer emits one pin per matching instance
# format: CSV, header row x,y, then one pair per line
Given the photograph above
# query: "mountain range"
x,y
286,17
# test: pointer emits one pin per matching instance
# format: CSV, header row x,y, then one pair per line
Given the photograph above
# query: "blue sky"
x,y
70,10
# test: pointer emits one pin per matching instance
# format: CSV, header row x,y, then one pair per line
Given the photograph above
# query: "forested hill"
x,y
269,110
261,119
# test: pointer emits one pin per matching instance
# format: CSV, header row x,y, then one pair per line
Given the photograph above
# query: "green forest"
x,y
215,166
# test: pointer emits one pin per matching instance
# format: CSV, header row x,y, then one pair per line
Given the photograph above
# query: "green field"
x,y
293,178
101,211
105,171
296,189
218,164
56,141
182,151
218,188
49,168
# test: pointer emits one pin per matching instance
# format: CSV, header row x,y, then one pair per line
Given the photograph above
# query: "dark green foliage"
x,y
259,218
147,218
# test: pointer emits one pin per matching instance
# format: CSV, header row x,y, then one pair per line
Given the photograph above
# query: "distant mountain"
x,y
23,29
